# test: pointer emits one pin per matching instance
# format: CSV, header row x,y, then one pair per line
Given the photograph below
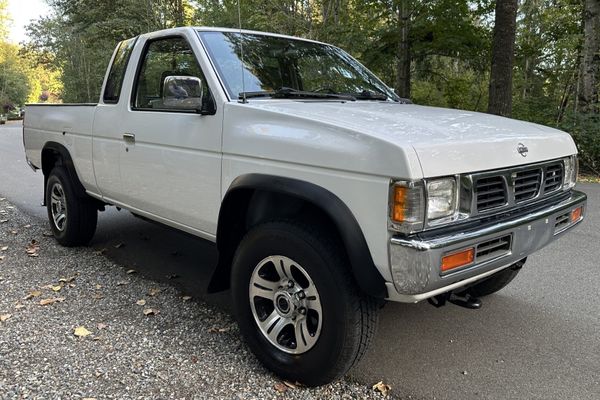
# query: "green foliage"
x,y
585,128
14,81
79,38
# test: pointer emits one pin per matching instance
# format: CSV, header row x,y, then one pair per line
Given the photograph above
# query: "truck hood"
x,y
446,141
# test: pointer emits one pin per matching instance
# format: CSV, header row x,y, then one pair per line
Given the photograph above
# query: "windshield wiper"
x,y
287,93
369,95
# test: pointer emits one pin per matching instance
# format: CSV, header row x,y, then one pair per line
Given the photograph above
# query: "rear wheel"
x,y
298,308
73,219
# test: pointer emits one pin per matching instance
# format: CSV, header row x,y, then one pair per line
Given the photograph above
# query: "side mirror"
x,y
182,93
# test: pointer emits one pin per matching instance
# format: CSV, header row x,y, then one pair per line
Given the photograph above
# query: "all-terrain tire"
x,y
79,218
349,317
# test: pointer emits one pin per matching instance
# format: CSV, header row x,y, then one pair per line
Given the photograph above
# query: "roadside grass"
x,y
585,178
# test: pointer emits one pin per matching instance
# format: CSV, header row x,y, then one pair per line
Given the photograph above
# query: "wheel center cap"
x,y
284,304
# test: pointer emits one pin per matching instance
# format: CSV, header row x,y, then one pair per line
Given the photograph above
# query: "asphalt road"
x,y
537,339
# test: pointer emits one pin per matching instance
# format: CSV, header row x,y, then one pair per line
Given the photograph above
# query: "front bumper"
x,y
415,261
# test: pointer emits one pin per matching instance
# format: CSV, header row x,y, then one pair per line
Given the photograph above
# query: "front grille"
x,y
527,184
490,192
507,188
493,248
554,177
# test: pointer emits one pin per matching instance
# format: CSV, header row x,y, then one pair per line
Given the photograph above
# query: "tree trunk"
x,y
503,55
590,74
403,63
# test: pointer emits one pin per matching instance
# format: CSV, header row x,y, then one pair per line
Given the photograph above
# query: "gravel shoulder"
x,y
183,349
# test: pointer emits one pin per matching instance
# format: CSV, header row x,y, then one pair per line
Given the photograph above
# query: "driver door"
x,y
171,165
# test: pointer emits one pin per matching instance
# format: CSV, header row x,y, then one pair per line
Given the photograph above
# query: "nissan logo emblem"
x,y
522,149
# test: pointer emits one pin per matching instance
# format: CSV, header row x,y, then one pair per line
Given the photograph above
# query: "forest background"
x,y
535,60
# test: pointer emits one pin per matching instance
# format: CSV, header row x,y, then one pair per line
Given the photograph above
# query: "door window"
x,y
114,82
170,79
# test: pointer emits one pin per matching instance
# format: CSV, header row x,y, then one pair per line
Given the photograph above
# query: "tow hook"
x,y
466,301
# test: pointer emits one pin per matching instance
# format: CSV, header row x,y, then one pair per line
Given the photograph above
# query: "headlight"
x,y
407,206
414,203
441,198
571,171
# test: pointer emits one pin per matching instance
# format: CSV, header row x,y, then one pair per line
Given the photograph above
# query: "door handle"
x,y
129,137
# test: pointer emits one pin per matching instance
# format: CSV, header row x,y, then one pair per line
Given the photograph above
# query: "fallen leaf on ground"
x,y
14,232
2,221
382,388
150,311
122,283
27,226
131,271
98,286
81,331
280,387
32,248
3,248
67,280
153,291
33,294
56,288
141,302
119,245
218,330
5,317
98,296
102,326
46,302
290,385
19,306
186,298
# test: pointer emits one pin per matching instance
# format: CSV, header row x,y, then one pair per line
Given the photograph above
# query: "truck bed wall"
x,y
67,124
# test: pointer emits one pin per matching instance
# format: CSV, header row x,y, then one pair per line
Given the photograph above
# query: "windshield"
x,y
273,63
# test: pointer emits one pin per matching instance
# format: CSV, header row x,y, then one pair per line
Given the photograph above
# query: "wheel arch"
x,y
240,203
54,154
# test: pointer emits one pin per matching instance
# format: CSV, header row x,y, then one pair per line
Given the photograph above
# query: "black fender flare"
x,y
363,268
67,162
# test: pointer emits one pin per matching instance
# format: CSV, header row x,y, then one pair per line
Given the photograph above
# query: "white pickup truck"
x,y
326,194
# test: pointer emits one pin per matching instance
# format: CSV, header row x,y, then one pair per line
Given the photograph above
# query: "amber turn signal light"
x,y
458,259
399,206
576,214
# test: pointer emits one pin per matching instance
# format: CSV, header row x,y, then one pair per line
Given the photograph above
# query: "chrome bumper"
x,y
415,261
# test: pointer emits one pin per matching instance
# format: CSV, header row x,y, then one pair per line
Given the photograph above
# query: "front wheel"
x,y
73,219
297,305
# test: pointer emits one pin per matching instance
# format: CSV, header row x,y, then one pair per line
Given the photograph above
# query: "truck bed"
x,y
67,124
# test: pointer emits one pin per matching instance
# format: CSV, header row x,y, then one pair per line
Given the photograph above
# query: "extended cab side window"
x,y
169,78
114,82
